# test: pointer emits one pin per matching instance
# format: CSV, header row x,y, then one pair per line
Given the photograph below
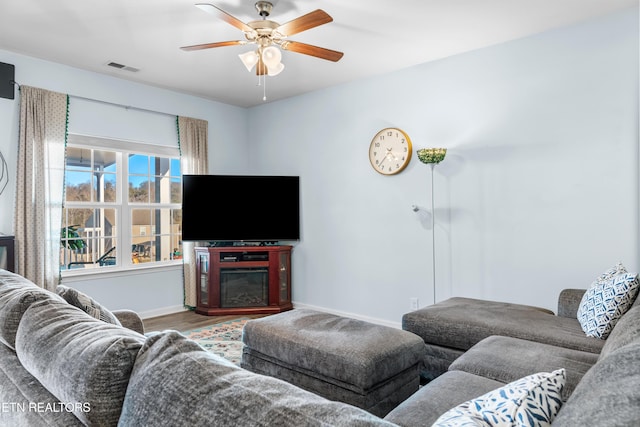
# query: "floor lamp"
x,y
431,157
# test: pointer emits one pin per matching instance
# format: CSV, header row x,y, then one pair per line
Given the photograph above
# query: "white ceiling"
x,y
376,37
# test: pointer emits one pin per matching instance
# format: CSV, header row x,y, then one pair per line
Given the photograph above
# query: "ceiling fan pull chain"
x,y
264,87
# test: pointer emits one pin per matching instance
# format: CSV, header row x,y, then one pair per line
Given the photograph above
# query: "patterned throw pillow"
x,y
605,302
87,304
610,273
530,401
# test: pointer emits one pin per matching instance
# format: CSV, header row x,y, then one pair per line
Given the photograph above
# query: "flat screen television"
x,y
240,208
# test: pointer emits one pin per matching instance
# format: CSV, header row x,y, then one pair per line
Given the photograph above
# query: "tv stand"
x,y
243,279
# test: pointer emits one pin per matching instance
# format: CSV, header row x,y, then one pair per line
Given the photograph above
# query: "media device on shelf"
x,y
240,209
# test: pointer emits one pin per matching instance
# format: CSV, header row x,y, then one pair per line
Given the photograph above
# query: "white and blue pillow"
x,y
608,298
614,271
532,401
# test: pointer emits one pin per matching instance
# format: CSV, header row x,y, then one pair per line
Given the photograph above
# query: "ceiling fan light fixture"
x,y
274,71
271,56
249,59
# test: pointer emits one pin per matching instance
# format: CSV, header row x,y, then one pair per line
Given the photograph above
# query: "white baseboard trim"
x,y
397,325
179,308
161,311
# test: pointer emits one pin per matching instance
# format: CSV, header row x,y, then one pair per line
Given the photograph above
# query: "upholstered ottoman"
x,y
370,366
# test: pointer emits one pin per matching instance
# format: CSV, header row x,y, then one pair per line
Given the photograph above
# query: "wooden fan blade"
x,y
304,22
210,45
229,19
318,52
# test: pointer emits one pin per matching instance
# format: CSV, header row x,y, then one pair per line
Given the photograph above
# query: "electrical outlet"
x,y
413,303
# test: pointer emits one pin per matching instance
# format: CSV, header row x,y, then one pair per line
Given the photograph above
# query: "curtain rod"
x,y
127,107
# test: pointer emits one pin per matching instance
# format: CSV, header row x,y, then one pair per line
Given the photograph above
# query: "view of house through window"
x,y
122,208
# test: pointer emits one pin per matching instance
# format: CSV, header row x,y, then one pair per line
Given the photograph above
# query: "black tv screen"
x,y
236,208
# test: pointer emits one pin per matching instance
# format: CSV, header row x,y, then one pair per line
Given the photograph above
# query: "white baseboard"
x,y
179,308
161,311
396,325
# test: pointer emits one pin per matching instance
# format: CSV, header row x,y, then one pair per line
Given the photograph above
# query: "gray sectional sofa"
x,y
452,327
59,366
476,346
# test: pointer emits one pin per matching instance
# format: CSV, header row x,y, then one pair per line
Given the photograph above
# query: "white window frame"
x,y
122,205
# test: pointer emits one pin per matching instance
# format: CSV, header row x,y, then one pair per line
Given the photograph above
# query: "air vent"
x,y
123,67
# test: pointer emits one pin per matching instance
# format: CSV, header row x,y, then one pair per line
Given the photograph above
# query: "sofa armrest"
x,y
569,301
130,319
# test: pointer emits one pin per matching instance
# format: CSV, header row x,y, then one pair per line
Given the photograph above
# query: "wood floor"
x,y
186,320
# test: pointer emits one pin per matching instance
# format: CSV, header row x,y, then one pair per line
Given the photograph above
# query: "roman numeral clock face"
x,y
390,151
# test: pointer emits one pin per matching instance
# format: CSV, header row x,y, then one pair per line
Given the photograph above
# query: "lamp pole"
x,y
433,234
431,157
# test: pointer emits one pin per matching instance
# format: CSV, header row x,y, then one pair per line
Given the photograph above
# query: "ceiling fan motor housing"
x,y
264,8
263,34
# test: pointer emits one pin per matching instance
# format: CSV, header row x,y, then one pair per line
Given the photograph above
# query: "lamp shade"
x,y
249,59
274,71
271,56
431,155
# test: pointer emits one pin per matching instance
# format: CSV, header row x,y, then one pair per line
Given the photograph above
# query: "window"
x,y
122,204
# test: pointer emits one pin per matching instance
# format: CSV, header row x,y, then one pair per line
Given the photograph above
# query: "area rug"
x,y
223,339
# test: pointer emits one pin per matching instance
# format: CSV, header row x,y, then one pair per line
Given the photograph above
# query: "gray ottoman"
x,y
366,365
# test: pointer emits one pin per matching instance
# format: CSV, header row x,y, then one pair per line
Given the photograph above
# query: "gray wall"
x,y
539,190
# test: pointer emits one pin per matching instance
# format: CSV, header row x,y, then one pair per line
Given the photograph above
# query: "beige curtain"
x,y
40,184
193,143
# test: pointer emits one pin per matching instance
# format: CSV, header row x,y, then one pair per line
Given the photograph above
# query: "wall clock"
x,y
390,151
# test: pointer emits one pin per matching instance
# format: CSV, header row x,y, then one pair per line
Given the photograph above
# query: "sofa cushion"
x,y
438,396
530,401
506,359
16,295
627,331
9,280
176,382
604,303
608,394
79,359
87,304
460,323
25,402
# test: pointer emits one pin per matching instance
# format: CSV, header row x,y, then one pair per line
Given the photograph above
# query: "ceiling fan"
x,y
267,34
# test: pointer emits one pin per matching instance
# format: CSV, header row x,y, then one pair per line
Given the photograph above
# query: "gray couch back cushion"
x,y
626,331
25,400
175,382
16,295
608,394
79,359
